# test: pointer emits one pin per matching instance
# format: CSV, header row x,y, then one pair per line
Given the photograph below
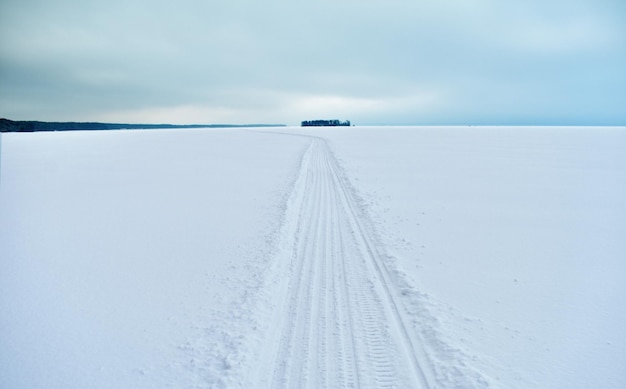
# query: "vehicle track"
x,y
340,324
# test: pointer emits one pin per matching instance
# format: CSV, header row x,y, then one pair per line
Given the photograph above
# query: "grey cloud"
x,y
381,62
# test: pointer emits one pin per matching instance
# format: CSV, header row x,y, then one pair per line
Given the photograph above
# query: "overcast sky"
x,y
280,61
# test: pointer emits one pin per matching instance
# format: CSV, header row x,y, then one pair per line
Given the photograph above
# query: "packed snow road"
x,y
340,324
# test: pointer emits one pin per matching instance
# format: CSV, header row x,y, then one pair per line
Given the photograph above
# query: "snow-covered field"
x,y
346,257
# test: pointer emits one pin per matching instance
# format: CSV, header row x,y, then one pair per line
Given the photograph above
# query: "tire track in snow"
x,y
339,324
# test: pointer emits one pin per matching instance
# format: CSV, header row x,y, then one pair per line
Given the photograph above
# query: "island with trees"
x,y
325,123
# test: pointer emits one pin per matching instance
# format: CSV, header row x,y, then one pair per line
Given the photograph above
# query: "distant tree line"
x,y
11,126
7,125
322,123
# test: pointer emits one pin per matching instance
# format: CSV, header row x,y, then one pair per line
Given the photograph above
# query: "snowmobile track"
x,y
340,324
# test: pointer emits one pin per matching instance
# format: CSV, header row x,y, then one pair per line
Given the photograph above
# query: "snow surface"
x,y
344,257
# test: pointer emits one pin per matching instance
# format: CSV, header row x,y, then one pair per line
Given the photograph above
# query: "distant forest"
x,y
322,123
32,126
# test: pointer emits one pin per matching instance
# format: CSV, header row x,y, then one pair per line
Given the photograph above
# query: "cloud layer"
x,y
373,62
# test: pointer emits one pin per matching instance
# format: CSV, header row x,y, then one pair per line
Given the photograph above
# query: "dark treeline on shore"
x,y
7,125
